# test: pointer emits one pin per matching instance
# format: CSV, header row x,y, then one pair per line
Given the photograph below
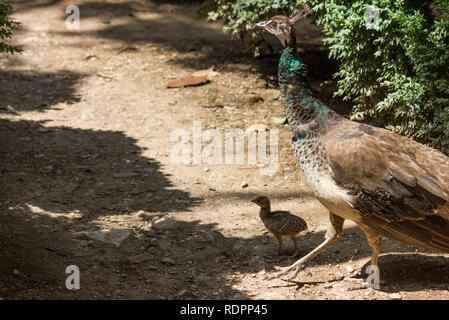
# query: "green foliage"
x,y
397,74
241,15
6,28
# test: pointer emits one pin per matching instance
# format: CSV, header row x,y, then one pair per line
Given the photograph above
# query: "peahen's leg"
x,y
332,235
375,243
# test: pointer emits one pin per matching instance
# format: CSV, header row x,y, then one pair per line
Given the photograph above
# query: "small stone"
x,y
181,293
328,286
124,174
244,185
44,130
140,258
88,114
395,296
47,168
207,50
165,223
113,236
70,187
349,269
164,244
168,261
91,56
206,237
271,296
257,262
356,251
237,247
141,214
16,272
255,99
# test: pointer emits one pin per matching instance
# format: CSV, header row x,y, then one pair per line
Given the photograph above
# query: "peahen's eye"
x,y
274,24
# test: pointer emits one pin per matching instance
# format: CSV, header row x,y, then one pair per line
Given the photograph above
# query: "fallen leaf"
x,y
283,120
189,81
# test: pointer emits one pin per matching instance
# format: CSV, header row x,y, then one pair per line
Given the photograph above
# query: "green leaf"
x,y
283,120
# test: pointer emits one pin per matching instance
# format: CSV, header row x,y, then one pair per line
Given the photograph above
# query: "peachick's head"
x,y
262,202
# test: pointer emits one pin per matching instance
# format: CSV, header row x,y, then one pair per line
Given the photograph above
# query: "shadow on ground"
x,y
33,91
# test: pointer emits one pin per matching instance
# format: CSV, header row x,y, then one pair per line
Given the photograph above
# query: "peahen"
x,y
388,184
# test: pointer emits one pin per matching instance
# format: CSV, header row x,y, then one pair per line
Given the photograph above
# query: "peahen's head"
x,y
283,27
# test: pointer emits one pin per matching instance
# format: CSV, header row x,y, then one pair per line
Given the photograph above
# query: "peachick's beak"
x,y
261,24
254,200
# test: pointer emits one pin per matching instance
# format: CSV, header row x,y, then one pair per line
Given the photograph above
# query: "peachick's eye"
x,y
274,24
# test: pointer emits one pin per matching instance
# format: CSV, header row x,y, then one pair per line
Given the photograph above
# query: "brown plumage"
x,y
280,223
400,188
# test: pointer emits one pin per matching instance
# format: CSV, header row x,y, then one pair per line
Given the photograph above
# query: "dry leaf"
x,y
189,81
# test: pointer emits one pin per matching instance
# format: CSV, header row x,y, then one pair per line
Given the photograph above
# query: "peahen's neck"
x,y
305,113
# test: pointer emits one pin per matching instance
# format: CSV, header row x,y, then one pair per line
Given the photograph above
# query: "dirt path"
x,y
86,124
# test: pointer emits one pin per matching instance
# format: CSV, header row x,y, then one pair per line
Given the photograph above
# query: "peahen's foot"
x,y
293,269
358,283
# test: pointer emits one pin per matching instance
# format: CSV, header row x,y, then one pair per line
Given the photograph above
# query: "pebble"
x,y
16,272
207,50
168,261
141,214
206,237
165,223
163,244
244,184
124,174
140,258
395,296
181,293
271,296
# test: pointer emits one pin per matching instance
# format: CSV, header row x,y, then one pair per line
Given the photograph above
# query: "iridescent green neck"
x,y
301,107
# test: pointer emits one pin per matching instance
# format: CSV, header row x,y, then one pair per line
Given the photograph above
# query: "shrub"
x,y
6,28
397,75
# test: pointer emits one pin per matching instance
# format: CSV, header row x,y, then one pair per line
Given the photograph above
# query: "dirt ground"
x,y
85,125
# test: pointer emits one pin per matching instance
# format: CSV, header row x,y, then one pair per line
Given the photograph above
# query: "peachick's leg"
x,y
280,241
332,235
296,246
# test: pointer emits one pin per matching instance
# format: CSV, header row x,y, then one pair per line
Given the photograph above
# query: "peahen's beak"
x,y
261,24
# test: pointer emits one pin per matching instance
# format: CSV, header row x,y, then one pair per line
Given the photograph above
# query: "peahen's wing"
x,y
399,187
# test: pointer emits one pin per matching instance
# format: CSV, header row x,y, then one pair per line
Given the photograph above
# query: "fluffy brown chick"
x,y
280,223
